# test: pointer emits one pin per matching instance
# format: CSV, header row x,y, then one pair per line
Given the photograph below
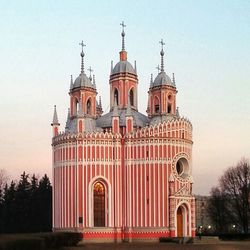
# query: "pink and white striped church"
x,y
123,175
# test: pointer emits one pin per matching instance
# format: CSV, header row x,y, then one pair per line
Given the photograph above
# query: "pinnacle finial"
x,y
173,80
151,80
82,55
68,120
111,67
71,82
177,112
135,67
94,85
100,101
90,71
123,35
162,55
55,117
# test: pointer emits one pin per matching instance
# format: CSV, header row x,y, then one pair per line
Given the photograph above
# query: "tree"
x,y
3,178
229,202
45,206
235,184
8,216
27,206
218,210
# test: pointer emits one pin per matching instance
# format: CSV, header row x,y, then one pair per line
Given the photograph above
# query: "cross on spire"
x,y
158,68
162,54
82,44
82,55
90,71
162,44
123,35
123,25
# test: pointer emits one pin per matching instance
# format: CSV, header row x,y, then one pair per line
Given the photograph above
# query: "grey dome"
x,y
162,79
123,67
82,81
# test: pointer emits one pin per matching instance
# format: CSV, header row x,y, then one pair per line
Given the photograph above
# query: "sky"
x,y
207,47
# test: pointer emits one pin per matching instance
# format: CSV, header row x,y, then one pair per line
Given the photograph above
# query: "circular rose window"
x,y
182,167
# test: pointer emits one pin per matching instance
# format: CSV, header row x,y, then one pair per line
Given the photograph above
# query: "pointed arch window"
x,y
131,97
156,105
89,106
99,205
76,108
169,108
116,96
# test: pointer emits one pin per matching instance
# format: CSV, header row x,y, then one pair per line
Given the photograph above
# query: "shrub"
x,y
42,241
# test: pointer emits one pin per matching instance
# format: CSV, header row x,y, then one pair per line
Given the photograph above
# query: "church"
x,y
123,175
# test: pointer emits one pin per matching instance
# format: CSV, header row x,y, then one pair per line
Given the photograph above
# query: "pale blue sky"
x,y
207,46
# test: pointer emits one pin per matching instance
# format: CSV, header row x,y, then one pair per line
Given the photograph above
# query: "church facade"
x,y
123,175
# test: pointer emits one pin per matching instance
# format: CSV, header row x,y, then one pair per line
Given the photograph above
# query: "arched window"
x,y
99,205
76,108
156,105
89,106
116,96
169,108
131,97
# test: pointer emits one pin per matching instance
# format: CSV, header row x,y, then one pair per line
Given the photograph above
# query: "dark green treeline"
x,y
26,206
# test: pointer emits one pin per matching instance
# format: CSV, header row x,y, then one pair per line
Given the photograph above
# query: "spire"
x,y
173,80
71,82
90,71
100,102
123,53
94,85
177,112
135,67
111,67
68,120
151,81
82,56
148,106
162,55
55,117
123,35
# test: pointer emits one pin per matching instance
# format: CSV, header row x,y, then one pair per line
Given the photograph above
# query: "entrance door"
x,y
179,222
99,205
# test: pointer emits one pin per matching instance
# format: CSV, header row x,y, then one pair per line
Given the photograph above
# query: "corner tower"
x,y
162,94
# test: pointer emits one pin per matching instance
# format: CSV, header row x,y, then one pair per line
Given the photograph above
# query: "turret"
x,y
162,92
55,124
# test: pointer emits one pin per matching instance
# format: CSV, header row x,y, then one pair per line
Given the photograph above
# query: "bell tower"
x,y
83,95
162,92
123,80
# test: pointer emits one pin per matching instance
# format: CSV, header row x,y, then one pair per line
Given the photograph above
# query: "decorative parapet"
x,y
180,127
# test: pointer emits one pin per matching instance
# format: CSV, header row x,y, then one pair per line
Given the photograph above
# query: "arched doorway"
x,y
180,224
99,205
